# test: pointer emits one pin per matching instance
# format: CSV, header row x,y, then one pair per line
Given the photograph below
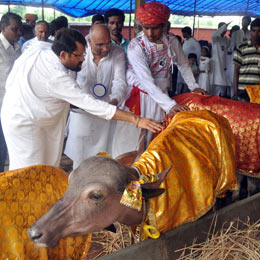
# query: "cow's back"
x,y
200,147
25,195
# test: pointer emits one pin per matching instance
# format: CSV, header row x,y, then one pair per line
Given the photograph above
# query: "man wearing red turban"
x,y
151,55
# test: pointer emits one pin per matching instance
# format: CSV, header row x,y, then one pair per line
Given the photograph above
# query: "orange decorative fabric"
x,y
31,17
153,13
25,195
253,92
244,119
200,147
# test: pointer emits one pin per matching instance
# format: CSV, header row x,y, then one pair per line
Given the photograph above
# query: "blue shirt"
x,y
124,43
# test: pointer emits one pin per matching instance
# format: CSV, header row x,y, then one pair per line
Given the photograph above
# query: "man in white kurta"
x,y
38,92
220,44
87,134
9,51
42,33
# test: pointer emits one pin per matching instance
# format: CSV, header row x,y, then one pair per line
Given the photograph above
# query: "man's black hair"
x,y
221,24
255,23
187,30
248,18
26,29
57,24
98,17
5,20
114,12
66,41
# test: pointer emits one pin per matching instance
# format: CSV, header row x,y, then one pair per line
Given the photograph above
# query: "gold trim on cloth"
x,y
25,195
253,92
200,147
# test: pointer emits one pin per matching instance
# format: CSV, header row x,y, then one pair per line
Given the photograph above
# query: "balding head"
x,y
99,31
100,40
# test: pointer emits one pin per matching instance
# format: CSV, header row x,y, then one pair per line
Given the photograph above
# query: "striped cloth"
x,y
247,57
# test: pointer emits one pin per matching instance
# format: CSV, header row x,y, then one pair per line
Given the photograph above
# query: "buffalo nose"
x,y
34,234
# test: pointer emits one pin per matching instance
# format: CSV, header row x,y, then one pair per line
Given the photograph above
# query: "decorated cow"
x,y
175,181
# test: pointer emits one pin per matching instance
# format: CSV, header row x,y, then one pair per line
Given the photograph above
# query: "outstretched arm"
x,y
140,122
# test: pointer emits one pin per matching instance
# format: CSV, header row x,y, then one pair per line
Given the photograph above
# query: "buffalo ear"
x,y
151,193
127,159
154,185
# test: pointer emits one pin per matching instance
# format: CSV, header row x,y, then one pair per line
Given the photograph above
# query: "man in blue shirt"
x,y
114,19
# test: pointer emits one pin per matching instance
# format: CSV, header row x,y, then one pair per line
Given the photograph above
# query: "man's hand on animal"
x,y
178,108
140,122
149,124
200,91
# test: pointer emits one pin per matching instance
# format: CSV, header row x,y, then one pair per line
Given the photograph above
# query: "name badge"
x,y
99,90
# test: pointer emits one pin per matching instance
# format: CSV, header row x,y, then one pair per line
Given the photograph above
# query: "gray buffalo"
x,y
92,201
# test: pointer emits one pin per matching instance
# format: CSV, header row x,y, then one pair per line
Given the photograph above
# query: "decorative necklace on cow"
x,y
132,198
99,90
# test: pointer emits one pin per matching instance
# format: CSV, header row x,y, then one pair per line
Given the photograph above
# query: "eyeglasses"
x,y
79,55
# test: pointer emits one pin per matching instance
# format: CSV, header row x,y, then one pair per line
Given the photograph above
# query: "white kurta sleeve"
x,y
218,32
64,87
182,64
140,66
118,90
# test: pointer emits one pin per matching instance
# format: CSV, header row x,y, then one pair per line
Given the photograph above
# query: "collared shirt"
x,y
149,67
247,57
191,46
8,55
110,72
124,43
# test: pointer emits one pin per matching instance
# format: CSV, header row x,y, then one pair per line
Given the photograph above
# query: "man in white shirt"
x,y
9,51
220,45
42,33
243,34
190,45
103,77
38,92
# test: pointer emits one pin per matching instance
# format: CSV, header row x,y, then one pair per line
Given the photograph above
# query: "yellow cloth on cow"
x,y
201,149
25,195
253,92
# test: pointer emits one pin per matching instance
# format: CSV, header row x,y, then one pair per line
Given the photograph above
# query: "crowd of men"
x,y
45,67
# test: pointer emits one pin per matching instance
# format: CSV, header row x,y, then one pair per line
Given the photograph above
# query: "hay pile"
x,y
239,241
106,242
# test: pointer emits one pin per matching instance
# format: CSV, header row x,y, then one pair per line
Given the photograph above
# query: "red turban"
x,y
152,13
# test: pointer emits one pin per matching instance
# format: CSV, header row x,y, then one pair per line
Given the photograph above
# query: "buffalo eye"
x,y
96,196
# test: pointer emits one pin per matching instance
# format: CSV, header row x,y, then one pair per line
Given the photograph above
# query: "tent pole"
x,y
198,28
9,9
54,14
130,20
247,6
43,10
194,15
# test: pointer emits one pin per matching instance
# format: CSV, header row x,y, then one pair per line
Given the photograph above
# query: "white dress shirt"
x,y
8,54
191,46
